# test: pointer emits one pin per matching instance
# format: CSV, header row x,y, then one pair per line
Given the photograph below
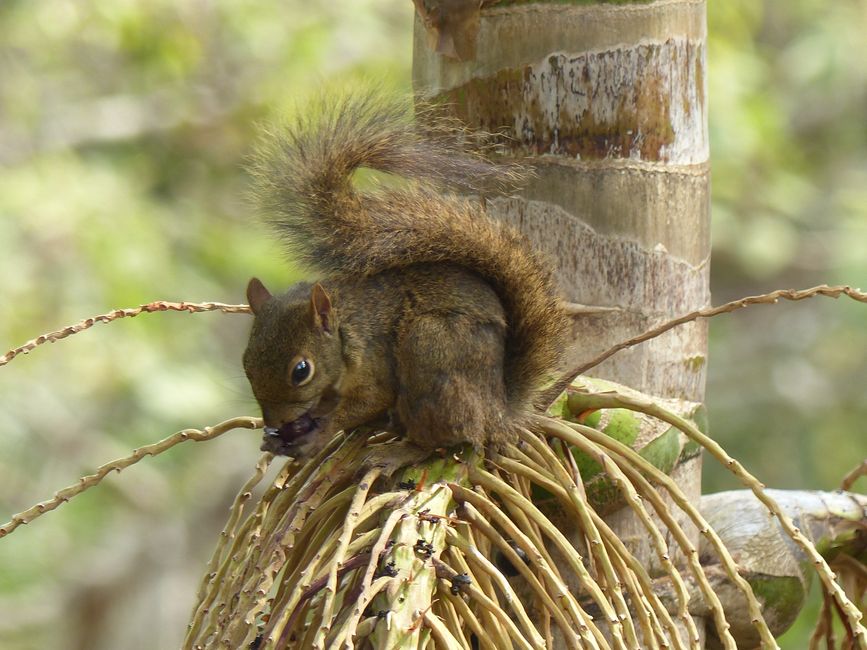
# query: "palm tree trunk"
x,y
608,99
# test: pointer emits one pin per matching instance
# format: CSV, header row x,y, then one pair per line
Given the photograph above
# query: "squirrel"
x,y
429,316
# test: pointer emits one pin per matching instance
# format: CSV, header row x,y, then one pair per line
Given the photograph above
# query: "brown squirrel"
x,y
430,315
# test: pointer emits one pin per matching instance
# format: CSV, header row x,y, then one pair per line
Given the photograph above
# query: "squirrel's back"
x,y
304,180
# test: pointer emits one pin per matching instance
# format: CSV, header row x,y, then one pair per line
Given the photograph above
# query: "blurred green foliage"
x,y
788,120
123,130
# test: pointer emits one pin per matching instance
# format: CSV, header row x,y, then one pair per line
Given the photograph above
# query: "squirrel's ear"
x,y
323,312
257,294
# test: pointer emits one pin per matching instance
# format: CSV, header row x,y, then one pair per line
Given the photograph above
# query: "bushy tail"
x,y
304,178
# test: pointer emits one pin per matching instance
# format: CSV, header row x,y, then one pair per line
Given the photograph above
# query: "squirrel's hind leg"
x,y
450,381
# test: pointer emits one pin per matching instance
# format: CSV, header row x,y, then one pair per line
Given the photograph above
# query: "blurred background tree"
x,y
124,126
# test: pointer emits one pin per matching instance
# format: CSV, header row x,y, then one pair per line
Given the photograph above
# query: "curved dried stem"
x,y
91,480
491,620
609,608
444,607
574,495
288,528
472,515
849,611
582,621
230,530
502,584
357,610
656,608
569,432
551,394
441,634
116,314
336,561
492,607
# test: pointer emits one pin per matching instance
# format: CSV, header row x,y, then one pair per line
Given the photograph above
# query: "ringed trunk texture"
x,y
609,102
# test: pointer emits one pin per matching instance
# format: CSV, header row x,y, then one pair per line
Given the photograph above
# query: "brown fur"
x,y
442,319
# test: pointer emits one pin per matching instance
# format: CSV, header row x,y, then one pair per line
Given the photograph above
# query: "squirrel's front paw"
x,y
275,445
302,450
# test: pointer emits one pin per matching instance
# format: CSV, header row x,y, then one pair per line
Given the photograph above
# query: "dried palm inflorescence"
x,y
463,546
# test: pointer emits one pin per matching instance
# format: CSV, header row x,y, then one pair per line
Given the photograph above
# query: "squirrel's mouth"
x,y
291,438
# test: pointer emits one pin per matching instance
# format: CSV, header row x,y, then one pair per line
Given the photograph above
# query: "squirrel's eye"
x,y
302,371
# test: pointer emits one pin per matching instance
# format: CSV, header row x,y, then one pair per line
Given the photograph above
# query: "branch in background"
x,y
86,482
87,323
771,298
